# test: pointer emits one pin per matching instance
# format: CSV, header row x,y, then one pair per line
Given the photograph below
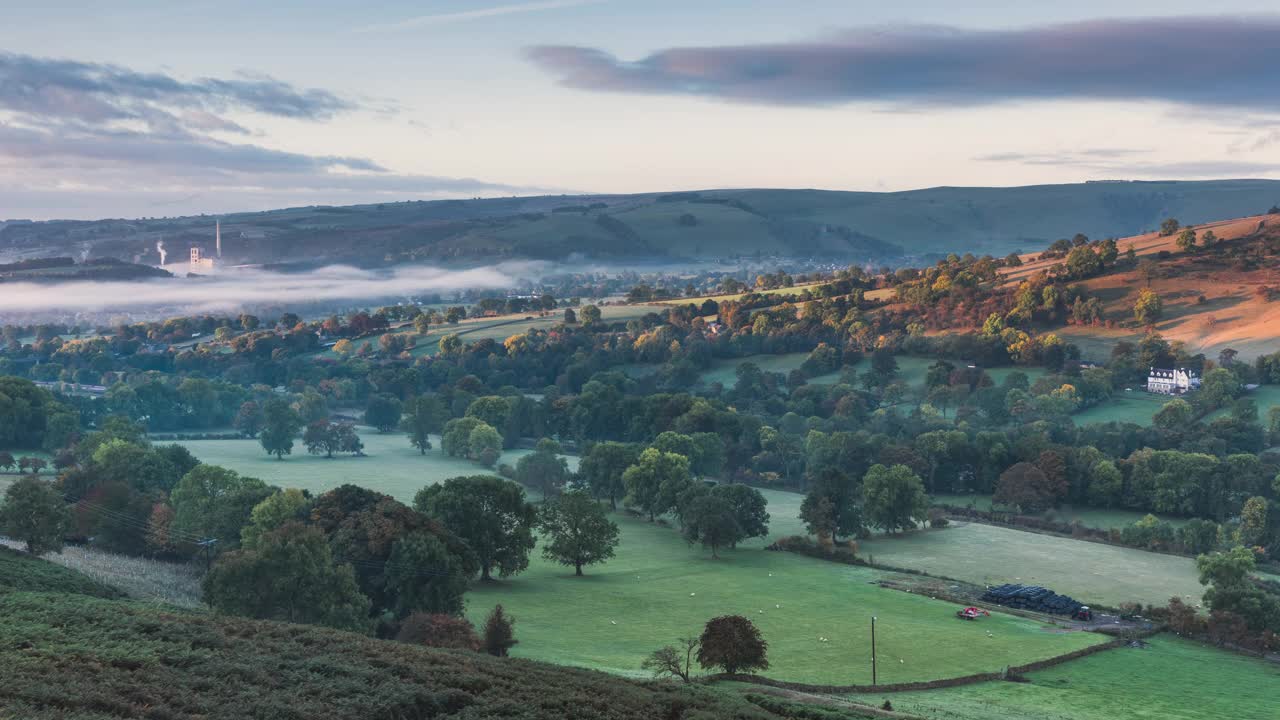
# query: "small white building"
x,y
1172,382
198,262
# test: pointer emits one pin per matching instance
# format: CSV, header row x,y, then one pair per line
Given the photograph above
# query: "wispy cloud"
x,y
101,132
477,14
1132,163
1216,61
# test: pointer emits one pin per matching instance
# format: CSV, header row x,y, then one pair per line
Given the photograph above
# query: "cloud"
x,y
1215,61
99,92
1121,162
112,140
477,14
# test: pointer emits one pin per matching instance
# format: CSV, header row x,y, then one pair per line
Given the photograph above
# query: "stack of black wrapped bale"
x,y
1031,597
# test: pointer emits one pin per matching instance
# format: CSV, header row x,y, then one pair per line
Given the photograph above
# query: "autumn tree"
x,y
1024,486
733,644
1148,308
280,425
439,630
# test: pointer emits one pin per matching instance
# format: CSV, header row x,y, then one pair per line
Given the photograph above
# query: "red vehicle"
x,y
971,613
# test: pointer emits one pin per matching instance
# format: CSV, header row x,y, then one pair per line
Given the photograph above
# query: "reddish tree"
x,y
1025,486
439,631
732,643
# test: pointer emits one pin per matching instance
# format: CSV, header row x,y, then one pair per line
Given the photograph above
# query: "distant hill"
x,y
847,227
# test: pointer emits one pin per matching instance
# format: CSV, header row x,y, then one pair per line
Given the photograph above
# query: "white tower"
x,y
217,236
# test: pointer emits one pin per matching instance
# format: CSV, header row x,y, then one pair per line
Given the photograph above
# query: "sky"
x,y
140,108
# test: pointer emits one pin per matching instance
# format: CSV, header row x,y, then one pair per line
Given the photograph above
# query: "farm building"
x,y
1172,382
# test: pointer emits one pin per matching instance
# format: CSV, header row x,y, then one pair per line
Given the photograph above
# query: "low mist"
x,y
237,288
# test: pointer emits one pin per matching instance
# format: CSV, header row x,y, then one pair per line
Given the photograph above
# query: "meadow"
x,y
1130,406
1170,678
391,465
1091,572
658,589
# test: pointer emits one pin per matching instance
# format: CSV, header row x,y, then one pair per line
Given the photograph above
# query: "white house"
x,y
1172,382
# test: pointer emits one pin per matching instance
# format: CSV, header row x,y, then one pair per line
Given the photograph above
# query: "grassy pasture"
x,y
657,588
1172,678
646,588
1136,406
1266,397
1091,572
391,466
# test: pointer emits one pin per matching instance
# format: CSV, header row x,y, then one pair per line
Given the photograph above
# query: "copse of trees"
x,y
34,513
490,514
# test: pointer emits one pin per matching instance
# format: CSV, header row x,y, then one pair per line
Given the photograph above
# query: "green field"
x,y
658,588
1266,397
725,371
1090,572
1131,406
647,588
1171,678
391,465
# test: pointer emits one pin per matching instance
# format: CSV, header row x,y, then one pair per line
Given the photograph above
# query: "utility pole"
x,y
208,544
873,649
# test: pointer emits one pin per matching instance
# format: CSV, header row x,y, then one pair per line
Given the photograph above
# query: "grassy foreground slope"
x,y
1171,678
71,656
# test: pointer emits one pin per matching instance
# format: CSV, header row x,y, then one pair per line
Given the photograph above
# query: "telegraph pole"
x,y
207,544
873,649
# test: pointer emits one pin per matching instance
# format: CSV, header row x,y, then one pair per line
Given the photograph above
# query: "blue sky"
x,y
136,108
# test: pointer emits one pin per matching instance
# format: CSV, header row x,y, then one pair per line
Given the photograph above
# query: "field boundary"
x,y
923,684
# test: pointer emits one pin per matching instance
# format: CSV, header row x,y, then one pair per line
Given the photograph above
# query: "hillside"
x,y
70,653
1216,298
853,227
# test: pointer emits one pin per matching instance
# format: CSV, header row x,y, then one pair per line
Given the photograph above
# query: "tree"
x,y
831,508
320,439
709,520
485,444
645,480
424,415
7,461
1186,240
589,315
1176,414
290,504
439,630
570,317
672,661
749,507
733,644
543,469
499,632
490,514
290,575
1024,486
249,419
490,409
1106,486
1148,308
456,439
32,463
383,412
893,498
602,467
1253,520
212,501
423,576
280,424
422,323
34,512
1169,227
576,531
